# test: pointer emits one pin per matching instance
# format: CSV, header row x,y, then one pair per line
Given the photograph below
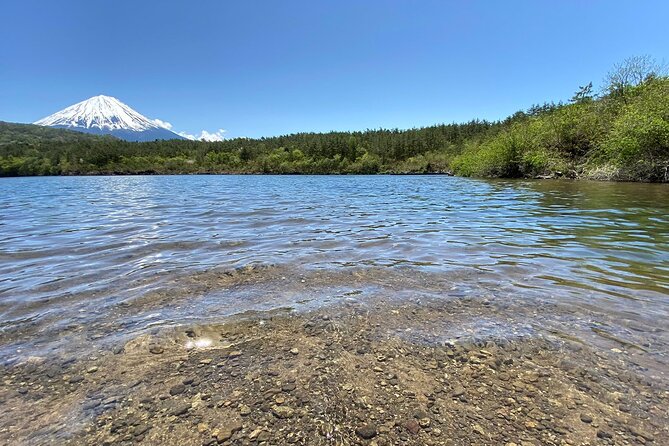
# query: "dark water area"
x,y
86,261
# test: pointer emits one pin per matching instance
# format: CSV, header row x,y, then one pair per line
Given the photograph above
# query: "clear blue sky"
x,y
262,68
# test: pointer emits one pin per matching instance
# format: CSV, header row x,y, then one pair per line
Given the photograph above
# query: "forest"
x,y
619,133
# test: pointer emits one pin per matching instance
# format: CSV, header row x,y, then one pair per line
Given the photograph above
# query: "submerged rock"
x,y
366,431
156,349
181,409
282,411
586,418
177,390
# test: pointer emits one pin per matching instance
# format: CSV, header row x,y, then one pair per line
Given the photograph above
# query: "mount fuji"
x,y
105,115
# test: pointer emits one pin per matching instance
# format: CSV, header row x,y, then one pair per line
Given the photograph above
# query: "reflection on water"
x,y
74,250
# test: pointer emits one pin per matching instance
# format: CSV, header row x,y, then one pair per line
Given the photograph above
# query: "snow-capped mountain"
x,y
104,115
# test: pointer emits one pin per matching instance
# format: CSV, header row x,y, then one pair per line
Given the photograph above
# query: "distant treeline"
x,y
621,133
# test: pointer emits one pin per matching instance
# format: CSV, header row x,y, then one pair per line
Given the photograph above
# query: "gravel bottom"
x,y
346,375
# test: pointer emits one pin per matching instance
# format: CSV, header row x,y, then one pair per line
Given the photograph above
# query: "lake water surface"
x,y
85,261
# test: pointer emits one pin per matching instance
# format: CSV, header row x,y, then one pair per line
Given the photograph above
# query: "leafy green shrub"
x,y
638,143
495,158
367,164
638,134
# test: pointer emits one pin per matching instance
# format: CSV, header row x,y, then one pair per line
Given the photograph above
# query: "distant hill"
x,y
30,134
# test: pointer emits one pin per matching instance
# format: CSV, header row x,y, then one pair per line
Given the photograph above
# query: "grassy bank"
x,y
621,134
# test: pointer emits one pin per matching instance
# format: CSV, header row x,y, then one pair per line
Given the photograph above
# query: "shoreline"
x,y
400,174
592,178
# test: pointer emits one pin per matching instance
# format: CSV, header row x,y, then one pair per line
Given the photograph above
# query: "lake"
x,y
72,249
325,309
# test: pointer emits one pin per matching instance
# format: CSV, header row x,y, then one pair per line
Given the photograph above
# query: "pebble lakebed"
x,y
359,373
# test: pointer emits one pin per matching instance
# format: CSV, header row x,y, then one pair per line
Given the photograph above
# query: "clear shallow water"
x,y
79,254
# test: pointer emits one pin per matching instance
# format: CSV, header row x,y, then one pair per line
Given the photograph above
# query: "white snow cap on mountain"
x,y
101,112
107,115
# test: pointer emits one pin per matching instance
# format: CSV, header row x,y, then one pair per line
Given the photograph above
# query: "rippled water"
x,y
80,255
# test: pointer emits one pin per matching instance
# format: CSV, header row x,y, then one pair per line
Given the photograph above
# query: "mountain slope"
x,y
105,115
